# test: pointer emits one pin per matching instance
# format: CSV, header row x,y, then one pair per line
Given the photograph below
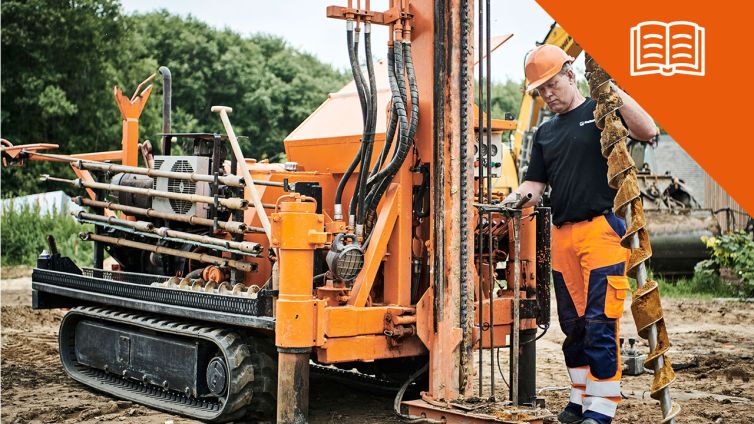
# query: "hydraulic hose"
x,y
384,177
392,126
368,138
359,83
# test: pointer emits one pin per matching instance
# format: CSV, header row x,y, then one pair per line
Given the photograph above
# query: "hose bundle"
x,y
399,136
368,101
621,175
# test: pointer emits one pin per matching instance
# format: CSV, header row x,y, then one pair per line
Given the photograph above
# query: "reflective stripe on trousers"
x,y
588,268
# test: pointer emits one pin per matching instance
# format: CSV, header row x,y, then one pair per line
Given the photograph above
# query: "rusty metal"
x,y
229,180
231,203
628,204
230,226
148,227
201,257
515,335
293,385
480,237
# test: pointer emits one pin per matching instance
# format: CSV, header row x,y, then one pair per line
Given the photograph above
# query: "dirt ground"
x,y
715,337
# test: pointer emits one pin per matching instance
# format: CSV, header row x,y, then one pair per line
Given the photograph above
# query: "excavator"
x,y
377,253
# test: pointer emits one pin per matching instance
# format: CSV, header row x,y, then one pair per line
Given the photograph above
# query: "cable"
x,y
399,398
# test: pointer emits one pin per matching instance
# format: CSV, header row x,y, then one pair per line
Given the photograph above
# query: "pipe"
x,y
515,340
229,180
201,257
148,227
232,203
480,238
167,99
230,226
253,194
488,99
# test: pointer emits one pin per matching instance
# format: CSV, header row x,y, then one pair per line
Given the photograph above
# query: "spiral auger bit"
x,y
621,175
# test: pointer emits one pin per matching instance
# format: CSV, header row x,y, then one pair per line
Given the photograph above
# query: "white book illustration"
x,y
667,48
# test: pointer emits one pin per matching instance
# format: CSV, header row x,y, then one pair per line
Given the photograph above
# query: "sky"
x,y
303,24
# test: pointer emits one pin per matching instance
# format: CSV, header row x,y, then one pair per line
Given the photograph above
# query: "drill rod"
x,y
232,203
229,226
515,340
201,257
229,180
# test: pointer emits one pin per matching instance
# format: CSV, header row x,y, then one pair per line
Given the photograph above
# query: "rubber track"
x,y
251,369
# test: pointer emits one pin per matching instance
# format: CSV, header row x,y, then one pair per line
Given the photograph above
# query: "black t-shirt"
x,y
566,154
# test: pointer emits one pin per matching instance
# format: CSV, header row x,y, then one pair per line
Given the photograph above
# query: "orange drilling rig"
x,y
378,250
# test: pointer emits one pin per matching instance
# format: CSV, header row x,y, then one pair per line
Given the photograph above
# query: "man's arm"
x,y
641,126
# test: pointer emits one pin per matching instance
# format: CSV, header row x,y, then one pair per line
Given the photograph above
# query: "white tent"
x,y
49,203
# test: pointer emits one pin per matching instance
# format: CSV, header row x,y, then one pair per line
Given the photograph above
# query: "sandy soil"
x,y
715,336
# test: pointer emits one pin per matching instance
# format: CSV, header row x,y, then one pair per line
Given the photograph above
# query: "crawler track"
x,y
250,376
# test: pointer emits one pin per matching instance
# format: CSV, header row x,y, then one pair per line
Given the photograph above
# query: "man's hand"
x,y
511,200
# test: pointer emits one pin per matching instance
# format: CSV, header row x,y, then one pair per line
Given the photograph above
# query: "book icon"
x,y
667,48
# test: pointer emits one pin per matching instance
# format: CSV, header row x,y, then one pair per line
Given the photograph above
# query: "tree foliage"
x,y
62,59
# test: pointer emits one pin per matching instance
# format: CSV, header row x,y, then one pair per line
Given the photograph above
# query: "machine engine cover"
x,y
187,164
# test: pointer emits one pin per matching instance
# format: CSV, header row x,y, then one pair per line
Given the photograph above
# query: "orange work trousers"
x,y
588,269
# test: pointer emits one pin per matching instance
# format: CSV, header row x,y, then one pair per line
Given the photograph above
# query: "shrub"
x,y
732,260
24,232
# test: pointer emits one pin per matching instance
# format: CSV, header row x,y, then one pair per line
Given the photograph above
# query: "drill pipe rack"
x,y
201,257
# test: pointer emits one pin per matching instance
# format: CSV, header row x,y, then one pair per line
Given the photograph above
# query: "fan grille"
x,y
181,186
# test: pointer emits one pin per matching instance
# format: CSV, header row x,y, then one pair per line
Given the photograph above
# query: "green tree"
x,y
62,59
57,77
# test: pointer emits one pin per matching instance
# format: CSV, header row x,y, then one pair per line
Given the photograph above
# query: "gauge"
x,y
493,150
484,149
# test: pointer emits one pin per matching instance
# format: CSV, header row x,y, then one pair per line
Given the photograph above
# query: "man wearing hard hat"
x,y
588,262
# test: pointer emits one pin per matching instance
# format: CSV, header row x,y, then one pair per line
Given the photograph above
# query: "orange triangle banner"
x,y
689,64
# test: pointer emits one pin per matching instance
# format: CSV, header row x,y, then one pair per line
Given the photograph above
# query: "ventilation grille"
x,y
181,186
157,165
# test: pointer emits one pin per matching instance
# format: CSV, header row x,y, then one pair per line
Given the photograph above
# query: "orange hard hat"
x,y
543,63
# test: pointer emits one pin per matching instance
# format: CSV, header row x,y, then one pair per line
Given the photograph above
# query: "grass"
x,y
23,236
695,287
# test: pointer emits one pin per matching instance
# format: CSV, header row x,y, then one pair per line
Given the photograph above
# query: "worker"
x,y
588,262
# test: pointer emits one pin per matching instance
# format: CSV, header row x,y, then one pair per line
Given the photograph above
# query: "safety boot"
x,y
570,417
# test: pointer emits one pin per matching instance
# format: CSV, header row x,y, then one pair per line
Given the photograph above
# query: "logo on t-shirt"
x,y
582,123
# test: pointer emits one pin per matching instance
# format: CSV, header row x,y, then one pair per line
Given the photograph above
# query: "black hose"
x,y
414,89
390,133
359,83
368,138
393,122
399,398
197,273
385,176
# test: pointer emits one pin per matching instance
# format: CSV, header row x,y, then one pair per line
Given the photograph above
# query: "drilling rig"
x,y
378,250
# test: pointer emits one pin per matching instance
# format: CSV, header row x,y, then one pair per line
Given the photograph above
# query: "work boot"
x,y
570,417
589,421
